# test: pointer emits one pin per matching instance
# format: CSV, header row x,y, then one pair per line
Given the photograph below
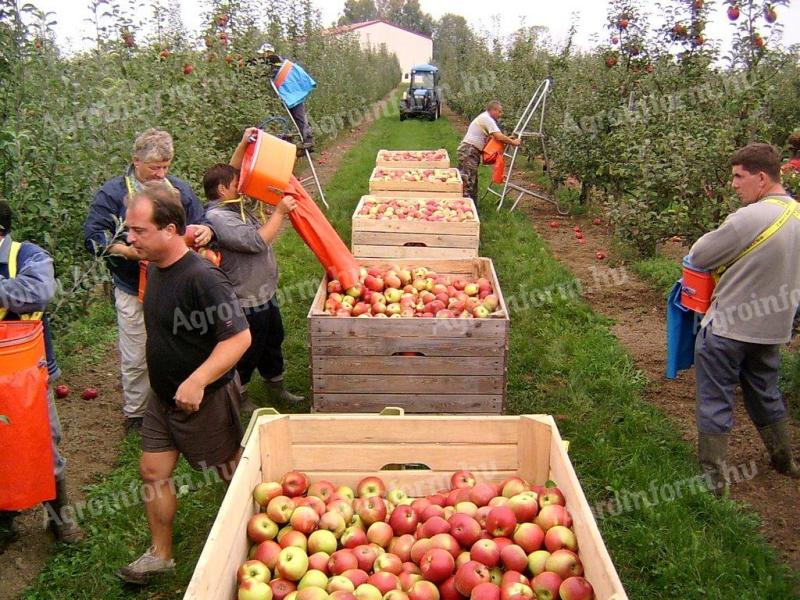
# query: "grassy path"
x,y
666,541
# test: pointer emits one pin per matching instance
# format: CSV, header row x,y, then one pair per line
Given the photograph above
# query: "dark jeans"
x,y
264,353
469,160
299,116
721,364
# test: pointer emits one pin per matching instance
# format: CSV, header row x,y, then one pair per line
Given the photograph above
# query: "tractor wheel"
x,y
402,117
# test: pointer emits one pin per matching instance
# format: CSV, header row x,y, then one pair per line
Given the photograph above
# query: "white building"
x,y
411,48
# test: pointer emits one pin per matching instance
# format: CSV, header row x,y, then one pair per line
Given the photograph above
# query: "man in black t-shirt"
x,y
196,333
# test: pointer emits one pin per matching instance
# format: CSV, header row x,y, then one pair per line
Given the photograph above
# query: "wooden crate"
x,y
420,365
344,448
382,161
419,240
413,188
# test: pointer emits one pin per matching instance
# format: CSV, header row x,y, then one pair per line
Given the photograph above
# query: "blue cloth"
x,y
296,87
682,326
99,227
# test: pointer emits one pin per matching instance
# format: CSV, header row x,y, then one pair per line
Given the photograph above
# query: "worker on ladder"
x,y
471,147
293,85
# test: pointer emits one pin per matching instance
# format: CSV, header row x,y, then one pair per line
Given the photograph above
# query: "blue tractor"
x,y
423,98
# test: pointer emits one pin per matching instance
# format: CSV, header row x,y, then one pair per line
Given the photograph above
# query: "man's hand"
x,y
248,133
203,235
127,252
286,205
515,141
189,395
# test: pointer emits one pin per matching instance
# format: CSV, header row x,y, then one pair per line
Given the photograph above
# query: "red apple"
x,y
357,576
371,486
403,520
465,529
514,558
461,479
318,561
304,519
89,393
261,528
294,483
485,591
342,594
446,542
434,510
267,552
435,525
565,563
420,547
293,538
546,584
401,546
437,565
485,552
525,506
576,588
501,521
537,560
341,561
62,391
388,562
469,575
188,69
481,494
253,569
353,536
558,537
370,509
254,589
281,588
552,515
266,491
733,13
384,581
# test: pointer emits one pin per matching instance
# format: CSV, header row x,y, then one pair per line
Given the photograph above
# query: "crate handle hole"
x,y
415,245
405,467
407,354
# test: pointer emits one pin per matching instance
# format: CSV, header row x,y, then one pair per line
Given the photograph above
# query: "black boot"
x,y
778,441
712,452
278,393
8,529
61,522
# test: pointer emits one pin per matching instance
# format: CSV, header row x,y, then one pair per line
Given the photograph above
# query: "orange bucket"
x,y
26,462
697,287
266,168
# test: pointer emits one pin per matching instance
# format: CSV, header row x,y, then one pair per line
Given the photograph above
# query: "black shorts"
x,y
206,438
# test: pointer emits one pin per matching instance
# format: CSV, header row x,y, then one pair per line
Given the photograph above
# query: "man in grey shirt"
x,y
750,316
249,261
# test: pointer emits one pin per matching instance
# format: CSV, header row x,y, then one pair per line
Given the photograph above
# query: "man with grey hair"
x,y
104,233
480,130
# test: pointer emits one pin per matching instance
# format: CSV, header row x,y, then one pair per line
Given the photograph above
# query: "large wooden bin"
x,y
395,158
421,365
344,448
392,187
422,240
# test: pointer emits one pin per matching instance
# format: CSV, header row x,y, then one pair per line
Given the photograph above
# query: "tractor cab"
x,y
423,97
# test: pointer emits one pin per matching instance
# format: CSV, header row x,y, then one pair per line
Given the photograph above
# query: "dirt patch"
x,y
638,314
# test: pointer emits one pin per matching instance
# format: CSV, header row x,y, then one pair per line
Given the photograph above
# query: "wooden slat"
x,y
414,483
376,185
408,384
489,404
415,193
372,457
418,252
533,449
353,327
408,429
276,454
407,365
366,237
431,164
599,569
324,345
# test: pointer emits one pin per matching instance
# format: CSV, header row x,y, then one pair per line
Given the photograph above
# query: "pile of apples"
x,y
419,155
418,292
482,541
411,175
450,210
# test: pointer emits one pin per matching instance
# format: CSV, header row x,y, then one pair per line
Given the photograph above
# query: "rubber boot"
x,y
778,441
8,529
712,452
277,392
62,522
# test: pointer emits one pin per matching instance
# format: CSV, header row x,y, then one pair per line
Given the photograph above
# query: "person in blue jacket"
x,y
105,235
27,284
294,85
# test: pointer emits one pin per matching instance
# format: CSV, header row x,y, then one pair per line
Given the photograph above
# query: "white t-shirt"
x,y
480,129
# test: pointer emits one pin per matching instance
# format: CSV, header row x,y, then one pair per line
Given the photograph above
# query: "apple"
x,y
514,486
323,490
261,528
576,588
485,591
435,525
294,483
253,569
388,562
266,491
304,519
514,558
597,221
564,562
558,537
367,591
537,560
62,391
384,581
380,533
334,522
292,563
281,588
252,589
462,559
293,538
469,575
403,520
353,536
552,515
341,561
516,591
525,506
188,69
401,546
357,576
486,552
341,594
267,552
311,593
482,493
437,565
599,255
546,585
423,590
733,13
321,540
340,583
448,591
313,578
496,574
467,508
464,529
318,561
501,521
370,509
409,578
502,542
770,16
434,510
395,595
89,393
419,548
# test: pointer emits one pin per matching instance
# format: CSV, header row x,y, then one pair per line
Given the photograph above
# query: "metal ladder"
x,y
537,103
305,150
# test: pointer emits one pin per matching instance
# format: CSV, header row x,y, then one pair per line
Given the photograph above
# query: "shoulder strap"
x,y
767,233
13,259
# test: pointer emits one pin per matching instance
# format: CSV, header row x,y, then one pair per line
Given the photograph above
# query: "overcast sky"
x,y
555,15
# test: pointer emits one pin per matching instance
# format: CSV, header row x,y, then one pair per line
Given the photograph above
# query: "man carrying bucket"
x,y
293,85
750,316
245,240
196,333
27,284
103,233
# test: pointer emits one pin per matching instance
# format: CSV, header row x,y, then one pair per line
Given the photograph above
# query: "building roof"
x,y
353,26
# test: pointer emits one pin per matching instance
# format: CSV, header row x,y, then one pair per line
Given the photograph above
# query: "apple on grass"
x,y
292,563
252,589
253,569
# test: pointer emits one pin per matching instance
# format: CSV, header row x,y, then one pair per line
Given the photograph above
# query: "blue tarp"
x,y
682,327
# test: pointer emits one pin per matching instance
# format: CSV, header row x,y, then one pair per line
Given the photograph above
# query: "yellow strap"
x,y
132,190
13,255
764,235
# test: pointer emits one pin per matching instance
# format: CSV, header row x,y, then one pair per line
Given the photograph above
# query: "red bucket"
x,y
697,288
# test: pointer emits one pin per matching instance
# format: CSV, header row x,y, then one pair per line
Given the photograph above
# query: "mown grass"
x,y
659,272
563,360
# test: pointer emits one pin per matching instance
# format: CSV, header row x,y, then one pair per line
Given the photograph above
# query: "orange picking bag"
x,y
26,454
